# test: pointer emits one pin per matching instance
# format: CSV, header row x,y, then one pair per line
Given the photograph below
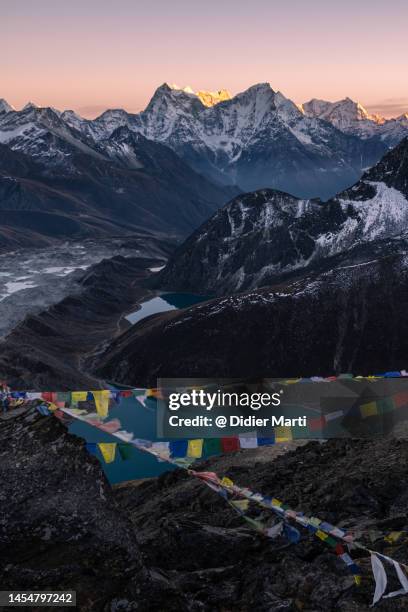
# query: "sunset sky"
x,y
90,55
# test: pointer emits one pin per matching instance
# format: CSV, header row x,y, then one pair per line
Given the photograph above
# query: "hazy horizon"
x,y
91,55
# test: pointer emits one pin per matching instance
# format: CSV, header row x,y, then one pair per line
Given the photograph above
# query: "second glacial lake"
x,y
164,303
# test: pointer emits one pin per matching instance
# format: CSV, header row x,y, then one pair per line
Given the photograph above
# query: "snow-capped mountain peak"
x,y
187,89
255,139
211,98
259,237
5,107
29,106
343,112
346,115
208,98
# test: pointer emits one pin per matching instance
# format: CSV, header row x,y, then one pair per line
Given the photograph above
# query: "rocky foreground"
x,y
172,544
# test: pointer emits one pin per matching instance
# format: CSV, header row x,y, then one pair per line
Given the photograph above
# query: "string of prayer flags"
x,y
43,409
275,531
195,448
241,504
369,409
248,440
229,445
108,451
283,434
102,402
79,396
393,537
401,577
212,446
125,451
162,448
266,441
49,396
317,423
400,399
291,533
110,426
178,448
380,578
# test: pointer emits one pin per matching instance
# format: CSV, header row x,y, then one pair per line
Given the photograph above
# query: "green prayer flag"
x,y
64,396
331,542
385,404
212,446
125,451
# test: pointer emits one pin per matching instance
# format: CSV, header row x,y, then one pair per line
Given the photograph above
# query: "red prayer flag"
x,y
317,424
126,393
401,399
229,445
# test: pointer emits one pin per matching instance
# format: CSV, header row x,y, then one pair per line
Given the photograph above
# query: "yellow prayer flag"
x,y
241,504
108,450
320,534
102,402
195,448
283,434
79,396
227,482
368,410
357,579
393,537
276,502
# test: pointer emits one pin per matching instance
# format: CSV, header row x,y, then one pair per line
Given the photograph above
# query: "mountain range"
x,y
301,287
171,166
56,183
259,138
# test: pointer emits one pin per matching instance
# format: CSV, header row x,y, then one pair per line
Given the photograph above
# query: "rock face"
x,y
220,565
171,544
71,534
257,139
346,315
259,237
352,118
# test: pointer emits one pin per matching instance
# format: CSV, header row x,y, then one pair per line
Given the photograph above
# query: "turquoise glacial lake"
x,y
134,417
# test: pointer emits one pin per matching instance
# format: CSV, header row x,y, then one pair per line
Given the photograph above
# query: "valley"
x,y
31,280
59,315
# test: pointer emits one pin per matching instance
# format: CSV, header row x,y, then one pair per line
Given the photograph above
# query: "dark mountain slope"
x,y
129,184
48,348
351,318
261,237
